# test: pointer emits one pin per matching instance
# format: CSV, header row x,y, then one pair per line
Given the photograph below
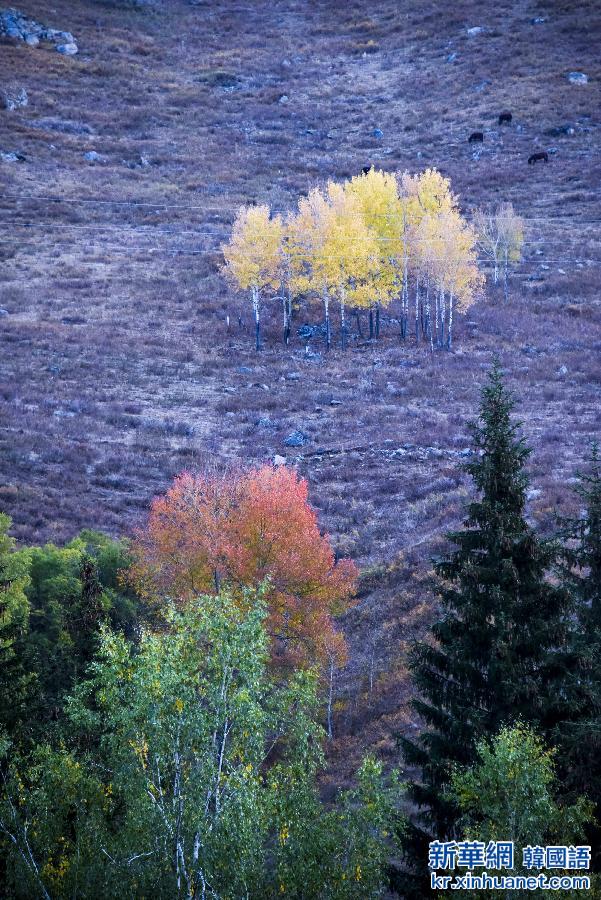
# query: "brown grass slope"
x,y
117,368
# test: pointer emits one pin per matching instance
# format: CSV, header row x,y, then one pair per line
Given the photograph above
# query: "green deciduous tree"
x,y
196,773
70,591
15,677
339,854
511,794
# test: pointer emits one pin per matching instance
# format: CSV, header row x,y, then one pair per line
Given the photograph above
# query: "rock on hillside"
x,y
16,26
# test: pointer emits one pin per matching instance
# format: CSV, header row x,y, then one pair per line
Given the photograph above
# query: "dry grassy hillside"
x,y
117,367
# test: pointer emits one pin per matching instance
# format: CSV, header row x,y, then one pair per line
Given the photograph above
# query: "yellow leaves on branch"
x,y
457,267
253,257
334,252
444,243
360,242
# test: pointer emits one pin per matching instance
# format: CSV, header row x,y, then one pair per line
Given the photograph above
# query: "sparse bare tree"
x,y
500,239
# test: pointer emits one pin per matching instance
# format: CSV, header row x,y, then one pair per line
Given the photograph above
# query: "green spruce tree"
x,y
580,737
500,648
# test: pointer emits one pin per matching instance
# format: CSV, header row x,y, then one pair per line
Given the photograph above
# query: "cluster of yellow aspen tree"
x,y
362,244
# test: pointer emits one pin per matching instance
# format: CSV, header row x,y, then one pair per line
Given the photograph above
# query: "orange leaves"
x,y
240,529
183,549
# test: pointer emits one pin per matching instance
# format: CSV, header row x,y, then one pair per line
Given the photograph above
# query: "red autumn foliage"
x,y
239,529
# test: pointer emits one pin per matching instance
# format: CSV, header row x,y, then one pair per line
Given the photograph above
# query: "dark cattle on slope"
x,y
366,170
542,156
476,136
505,117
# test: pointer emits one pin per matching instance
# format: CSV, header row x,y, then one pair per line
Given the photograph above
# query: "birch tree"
x,y
191,774
511,229
287,281
427,197
335,254
253,257
366,242
459,276
500,238
309,234
384,215
443,254
489,239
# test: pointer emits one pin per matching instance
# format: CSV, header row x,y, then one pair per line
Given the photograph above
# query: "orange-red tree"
x,y
238,530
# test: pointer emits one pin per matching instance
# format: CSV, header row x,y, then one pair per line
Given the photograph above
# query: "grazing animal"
x,y
366,170
476,136
542,156
505,117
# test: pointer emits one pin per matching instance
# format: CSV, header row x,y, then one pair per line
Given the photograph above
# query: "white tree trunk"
x,y
326,304
330,697
256,310
417,307
430,330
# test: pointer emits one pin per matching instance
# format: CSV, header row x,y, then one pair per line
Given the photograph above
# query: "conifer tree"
x,y
580,737
501,644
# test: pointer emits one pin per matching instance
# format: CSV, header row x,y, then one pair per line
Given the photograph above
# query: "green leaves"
x,y
15,679
509,794
192,773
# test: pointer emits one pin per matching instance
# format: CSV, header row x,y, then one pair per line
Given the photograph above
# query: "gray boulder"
x,y
11,156
297,438
16,26
265,422
64,126
15,99
69,49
